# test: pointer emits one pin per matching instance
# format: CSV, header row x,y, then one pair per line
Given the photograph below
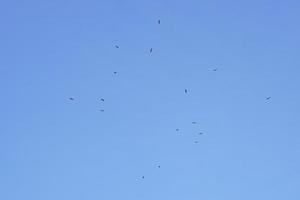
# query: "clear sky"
x,y
55,148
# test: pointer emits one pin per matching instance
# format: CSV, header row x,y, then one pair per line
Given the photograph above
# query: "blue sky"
x,y
54,148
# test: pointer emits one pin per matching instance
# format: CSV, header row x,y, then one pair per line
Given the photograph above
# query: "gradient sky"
x,y
54,148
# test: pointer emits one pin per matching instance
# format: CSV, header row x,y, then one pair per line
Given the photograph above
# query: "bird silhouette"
x,y
216,69
151,50
196,142
115,72
72,99
102,99
102,110
268,98
185,91
200,133
194,122
158,166
177,129
143,177
158,21
117,46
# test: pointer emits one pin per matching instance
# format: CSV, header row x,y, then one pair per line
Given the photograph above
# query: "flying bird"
x,y
158,21
200,133
72,99
115,72
117,46
216,69
143,177
194,122
151,50
177,129
196,142
185,91
102,110
102,99
268,98
158,166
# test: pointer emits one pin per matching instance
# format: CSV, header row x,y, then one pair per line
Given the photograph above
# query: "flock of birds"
x,y
185,91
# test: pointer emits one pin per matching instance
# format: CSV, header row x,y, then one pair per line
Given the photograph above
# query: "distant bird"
x,y
185,91
177,129
102,110
151,50
216,69
196,142
158,21
200,133
102,99
143,177
268,98
194,122
117,46
72,99
115,72
158,166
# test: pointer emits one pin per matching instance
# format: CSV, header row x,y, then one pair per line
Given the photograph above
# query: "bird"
x,y
185,91
158,166
143,177
158,21
151,50
117,46
72,99
194,122
216,69
102,110
115,72
200,133
268,98
177,129
196,142
102,99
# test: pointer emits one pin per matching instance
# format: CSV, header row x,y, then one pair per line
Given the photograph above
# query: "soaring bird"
x,y
200,133
143,177
196,142
102,110
216,69
158,166
72,99
158,21
268,98
177,129
185,90
151,50
194,122
102,99
115,72
117,46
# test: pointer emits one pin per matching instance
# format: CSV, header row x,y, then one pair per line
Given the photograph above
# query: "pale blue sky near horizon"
x,y
54,148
